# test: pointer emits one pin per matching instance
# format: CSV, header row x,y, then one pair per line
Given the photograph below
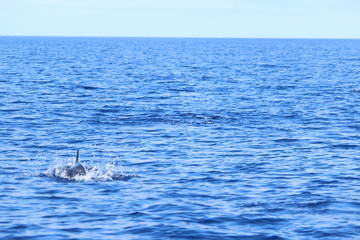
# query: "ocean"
x,y
183,138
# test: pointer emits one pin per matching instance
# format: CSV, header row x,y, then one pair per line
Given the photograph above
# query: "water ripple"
x,y
184,138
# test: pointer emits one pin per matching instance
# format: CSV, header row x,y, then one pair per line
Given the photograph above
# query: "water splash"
x,y
95,171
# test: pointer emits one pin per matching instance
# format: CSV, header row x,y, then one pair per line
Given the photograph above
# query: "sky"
x,y
182,18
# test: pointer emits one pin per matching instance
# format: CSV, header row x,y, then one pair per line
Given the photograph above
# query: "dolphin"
x,y
77,169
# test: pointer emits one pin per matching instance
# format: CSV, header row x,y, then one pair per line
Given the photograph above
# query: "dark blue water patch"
x,y
259,220
112,109
137,214
353,59
345,146
329,232
191,119
148,119
88,87
286,140
175,232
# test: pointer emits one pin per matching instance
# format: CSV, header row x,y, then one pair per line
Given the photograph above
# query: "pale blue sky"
x,y
182,18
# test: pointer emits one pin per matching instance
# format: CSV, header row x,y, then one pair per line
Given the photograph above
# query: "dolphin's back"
x,y
77,169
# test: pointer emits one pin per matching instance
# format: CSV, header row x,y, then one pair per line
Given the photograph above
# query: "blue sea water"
x,y
190,138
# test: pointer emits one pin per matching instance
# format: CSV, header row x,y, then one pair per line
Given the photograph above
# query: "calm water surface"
x,y
209,138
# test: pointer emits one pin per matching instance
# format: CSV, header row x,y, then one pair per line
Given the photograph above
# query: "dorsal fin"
x,y
77,157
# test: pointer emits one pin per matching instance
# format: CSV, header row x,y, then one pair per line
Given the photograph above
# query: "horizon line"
x,y
94,36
